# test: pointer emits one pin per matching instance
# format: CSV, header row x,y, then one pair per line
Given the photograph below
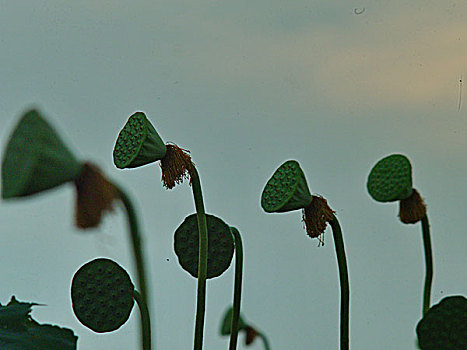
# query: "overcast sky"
x,y
245,85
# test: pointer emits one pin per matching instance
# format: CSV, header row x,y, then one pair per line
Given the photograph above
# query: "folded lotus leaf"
x,y
102,295
138,143
36,159
286,190
226,325
444,326
390,179
220,245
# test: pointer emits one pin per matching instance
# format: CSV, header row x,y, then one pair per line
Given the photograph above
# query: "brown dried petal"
x,y
316,217
175,166
95,194
412,209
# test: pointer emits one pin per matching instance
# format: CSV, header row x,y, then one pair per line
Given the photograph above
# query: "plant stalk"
x,y
145,320
237,288
203,257
136,246
265,341
428,263
344,283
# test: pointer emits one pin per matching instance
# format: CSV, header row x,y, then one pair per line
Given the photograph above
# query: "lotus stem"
x,y
203,257
344,283
265,341
237,288
137,250
145,320
428,263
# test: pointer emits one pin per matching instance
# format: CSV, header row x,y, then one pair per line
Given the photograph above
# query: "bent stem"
x,y
265,341
237,288
203,257
136,245
145,320
428,264
344,282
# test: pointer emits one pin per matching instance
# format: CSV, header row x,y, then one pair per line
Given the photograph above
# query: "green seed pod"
x,y
220,245
390,179
444,326
138,143
226,325
35,159
102,295
286,190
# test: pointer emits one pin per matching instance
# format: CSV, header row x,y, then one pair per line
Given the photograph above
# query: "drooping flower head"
x,y
287,190
35,159
391,180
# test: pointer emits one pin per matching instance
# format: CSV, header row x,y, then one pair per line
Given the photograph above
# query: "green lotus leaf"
x,y
444,326
102,295
286,190
226,325
35,159
220,245
19,331
390,179
138,143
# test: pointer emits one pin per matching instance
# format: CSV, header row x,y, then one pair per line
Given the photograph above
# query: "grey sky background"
x,y
245,85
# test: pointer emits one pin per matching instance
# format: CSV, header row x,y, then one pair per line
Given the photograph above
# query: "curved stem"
x,y
265,341
428,263
344,282
203,258
136,244
145,320
237,288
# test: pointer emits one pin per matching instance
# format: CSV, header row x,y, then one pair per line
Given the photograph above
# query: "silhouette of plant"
x,y
286,191
390,180
138,144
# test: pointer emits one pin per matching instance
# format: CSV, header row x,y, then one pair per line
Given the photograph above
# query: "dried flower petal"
x,y
175,166
412,209
95,194
316,217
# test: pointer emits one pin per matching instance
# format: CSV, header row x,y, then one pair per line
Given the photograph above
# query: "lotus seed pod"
x,y
220,245
35,159
138,143
226,325
444,326
286,190
390,179
102,295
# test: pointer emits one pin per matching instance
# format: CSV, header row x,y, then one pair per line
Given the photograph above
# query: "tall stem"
x,y
237,288
203,258
428,263
145,320
136,246
344,282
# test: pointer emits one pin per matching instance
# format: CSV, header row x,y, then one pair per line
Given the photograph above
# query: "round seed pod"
x,y
138,143
390,179
444,326
226,325
102,295
220,245
286,190
36,159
